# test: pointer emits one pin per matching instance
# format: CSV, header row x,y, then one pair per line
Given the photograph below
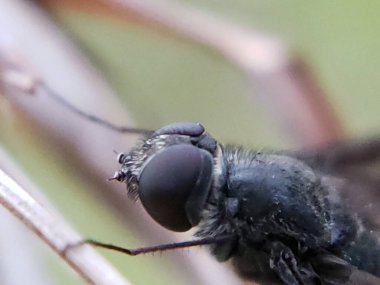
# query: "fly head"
x,y
171,172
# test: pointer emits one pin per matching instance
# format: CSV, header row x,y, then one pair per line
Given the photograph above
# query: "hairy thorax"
x,y
268,201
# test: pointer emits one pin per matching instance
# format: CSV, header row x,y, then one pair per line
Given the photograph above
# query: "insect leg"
x,y
156,248
92,118
284,263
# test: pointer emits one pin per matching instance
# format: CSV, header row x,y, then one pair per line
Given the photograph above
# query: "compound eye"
x,y
181,128
174,185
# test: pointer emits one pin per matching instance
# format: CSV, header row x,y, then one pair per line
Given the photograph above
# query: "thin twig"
x,y
19,253
56,233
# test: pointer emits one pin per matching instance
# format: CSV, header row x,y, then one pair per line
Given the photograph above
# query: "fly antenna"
x,y
62,101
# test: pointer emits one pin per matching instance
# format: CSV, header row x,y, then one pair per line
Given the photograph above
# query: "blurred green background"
x,y
161,79
337,38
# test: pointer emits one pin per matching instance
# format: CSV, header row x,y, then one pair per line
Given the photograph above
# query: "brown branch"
x,y
56,233
282,83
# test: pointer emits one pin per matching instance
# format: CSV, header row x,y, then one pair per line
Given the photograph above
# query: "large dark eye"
x,y
174,186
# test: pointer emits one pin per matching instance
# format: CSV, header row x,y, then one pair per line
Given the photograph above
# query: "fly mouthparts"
x,y
119,176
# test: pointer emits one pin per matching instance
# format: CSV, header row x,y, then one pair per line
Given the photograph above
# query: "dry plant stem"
x,y
283,83
19,253
87,146
56,233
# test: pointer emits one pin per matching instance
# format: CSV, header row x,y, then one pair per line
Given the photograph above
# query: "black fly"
x,y
281,217
305,217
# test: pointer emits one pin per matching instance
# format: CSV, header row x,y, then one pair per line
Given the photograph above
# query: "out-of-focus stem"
x,y
56,233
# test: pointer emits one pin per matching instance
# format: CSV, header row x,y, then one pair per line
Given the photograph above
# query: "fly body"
x,y
284,219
